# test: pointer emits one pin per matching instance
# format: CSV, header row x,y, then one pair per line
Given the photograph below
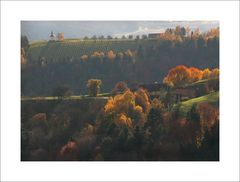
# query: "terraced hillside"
x,y
75,48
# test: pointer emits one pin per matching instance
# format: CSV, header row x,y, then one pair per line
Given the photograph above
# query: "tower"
x,y
52,37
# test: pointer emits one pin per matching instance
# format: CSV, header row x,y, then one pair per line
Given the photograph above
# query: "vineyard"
x,y
75,48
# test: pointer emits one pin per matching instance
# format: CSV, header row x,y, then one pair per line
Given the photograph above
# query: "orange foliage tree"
x,y
195,74
120,87
206,73
84,57
178,76
69,151
215,73
111,55
209,115
129,107
182,75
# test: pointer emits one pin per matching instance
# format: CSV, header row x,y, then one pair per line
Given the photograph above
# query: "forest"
x,y
151,101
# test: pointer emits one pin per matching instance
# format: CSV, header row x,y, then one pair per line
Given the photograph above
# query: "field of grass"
x,y
75,48
212,98
73,97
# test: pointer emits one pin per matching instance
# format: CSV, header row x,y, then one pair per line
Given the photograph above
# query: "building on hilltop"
x,y
156,34
59,37
52,37
181,93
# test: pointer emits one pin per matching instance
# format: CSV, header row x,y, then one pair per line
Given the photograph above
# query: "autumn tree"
x,y
208,117
182,75
93,86
111,55
206,73
129,108
142,99
120,87
84,58
178,76
215,73
195,74
69,151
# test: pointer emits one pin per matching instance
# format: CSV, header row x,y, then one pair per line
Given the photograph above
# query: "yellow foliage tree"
x,y
133,106
111,55
215,73
94,86
195,74
178,76
206,74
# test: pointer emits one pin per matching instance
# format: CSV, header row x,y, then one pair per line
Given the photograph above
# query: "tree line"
x,y
147,64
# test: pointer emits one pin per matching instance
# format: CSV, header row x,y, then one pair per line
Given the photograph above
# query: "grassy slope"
x,y
73,97
75,48
212,98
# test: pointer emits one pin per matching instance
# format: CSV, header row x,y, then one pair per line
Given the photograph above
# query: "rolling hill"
x,y
75,48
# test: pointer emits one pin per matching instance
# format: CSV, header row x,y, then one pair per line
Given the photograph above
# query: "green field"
x,y
75,48
212,98
73,97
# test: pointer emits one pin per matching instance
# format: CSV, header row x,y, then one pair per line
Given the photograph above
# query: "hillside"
x,y
212,98
75,48
52,64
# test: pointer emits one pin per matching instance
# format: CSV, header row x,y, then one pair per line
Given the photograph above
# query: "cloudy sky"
x,y
40,30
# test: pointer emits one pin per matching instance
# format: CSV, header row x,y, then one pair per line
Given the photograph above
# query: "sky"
x,y
40,30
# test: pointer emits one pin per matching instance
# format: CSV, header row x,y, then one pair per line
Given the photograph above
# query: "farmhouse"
x,y
153,87
181,93
154,35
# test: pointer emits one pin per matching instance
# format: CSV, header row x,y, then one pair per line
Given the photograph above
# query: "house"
x,y
182,93
156,34
153,87
59,37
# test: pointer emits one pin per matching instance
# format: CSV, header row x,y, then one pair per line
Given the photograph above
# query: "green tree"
x,y
154,123
193,115
62,91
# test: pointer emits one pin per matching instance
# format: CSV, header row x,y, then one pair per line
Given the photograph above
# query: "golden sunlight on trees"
x,y
93,86
111,55
209,116
69,151
123,119
182,75
195,74
215,73
84,57
120,87
98,55
214,32
178,76
142,99
129,107
206,73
